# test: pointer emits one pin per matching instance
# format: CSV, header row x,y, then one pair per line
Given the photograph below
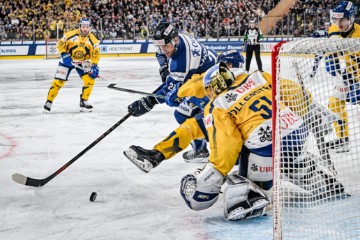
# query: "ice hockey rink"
x,y
130,204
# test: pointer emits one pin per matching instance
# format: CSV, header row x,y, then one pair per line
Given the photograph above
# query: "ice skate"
x,y
47,107
201,156
144,159
85,106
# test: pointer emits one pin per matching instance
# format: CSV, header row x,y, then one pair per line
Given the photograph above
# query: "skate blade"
x,y
85,110
144,166
46,111
197,160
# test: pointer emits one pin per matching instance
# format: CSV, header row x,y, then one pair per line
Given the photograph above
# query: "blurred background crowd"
x,y
136,19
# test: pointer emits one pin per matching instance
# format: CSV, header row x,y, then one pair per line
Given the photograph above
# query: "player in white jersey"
x,y
186,57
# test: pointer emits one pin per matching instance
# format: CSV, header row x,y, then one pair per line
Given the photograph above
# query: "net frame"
x,y
323,218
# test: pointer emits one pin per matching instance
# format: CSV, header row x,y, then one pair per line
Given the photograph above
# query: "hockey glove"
x,y
66,60
172,98
164,72
142,106
94,72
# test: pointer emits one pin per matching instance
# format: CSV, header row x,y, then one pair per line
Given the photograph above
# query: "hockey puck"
x,y
93,196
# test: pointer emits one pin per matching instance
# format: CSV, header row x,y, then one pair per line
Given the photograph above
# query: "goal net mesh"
x,y
317,185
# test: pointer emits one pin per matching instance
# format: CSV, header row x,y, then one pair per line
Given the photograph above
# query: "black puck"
x,y
93,196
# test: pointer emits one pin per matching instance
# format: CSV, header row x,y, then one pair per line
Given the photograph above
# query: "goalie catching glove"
x,y
142,106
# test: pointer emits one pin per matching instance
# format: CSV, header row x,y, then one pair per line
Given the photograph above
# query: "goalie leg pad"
x,y
243,199
201,189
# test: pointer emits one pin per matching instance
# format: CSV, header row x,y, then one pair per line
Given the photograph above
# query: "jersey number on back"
x,y
262,104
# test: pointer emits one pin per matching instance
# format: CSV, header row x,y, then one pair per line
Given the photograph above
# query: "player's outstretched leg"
x,y
144,159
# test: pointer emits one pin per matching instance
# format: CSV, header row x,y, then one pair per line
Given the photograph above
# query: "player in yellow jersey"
x,y
343,26
79,49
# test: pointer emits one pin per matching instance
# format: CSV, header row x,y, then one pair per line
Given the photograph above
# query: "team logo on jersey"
x,y
230,97
195,53
78,55
265,134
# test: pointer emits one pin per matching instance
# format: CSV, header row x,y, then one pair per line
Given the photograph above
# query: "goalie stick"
x,y
319,137
112,86
33,182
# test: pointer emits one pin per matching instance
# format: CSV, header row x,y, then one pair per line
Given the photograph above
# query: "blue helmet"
x,y
217,79
85,21
345,9
234,57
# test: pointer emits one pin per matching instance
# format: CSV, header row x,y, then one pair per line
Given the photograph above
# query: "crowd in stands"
x,y
304,18
128,19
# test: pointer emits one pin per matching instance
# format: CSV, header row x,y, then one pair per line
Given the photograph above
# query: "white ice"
x,y
130,203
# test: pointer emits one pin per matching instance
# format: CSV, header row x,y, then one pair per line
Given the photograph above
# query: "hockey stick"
x,y
28,181
319,137
112,86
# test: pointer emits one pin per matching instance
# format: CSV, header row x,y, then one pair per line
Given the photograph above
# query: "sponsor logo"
x,y
288,119
264,169
246,87
342,89
208,121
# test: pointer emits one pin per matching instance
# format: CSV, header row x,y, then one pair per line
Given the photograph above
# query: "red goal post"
x,y
324,202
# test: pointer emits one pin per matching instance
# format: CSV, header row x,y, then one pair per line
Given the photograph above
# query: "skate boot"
x,y
84,105
144,159
339,145
47,106
201,156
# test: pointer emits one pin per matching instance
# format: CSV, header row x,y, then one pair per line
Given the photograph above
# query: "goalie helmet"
x,y
233,57
345,9
217,79
164,33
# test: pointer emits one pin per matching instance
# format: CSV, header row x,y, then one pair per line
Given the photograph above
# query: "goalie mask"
x,y
343,15
84,26
217,79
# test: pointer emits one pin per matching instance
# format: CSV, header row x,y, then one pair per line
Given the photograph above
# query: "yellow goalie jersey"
x,y
80,48
242,116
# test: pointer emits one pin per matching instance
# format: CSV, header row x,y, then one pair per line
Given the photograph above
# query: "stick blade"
x,y
28,181
112,85
19,178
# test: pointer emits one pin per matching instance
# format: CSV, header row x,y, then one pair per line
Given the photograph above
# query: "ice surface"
x,y
130,204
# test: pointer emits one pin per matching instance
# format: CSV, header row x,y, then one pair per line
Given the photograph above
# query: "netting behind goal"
x,y
317,169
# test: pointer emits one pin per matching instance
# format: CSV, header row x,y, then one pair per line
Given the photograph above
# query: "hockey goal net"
x,y
317,186
51,51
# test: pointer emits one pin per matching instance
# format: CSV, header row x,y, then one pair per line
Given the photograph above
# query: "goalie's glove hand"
x,y
164,72
94,72
66,60
172,98
142,106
